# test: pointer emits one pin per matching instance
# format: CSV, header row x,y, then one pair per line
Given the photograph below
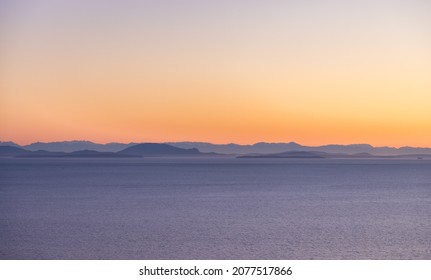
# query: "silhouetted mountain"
x,y
155,149
235,149
267,148
10,151
9,143
89,153
73,146
238,149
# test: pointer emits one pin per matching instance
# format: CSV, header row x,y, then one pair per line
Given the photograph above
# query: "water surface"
x,y
215,209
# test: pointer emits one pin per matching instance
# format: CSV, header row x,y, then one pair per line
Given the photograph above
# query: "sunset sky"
x,y
313,71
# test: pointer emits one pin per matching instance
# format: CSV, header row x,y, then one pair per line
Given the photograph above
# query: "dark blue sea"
x,y
214,208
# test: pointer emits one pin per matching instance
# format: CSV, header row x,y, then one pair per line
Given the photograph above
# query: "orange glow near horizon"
x,y
222,72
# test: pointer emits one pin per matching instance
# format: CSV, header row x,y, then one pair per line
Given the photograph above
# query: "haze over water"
x,y
163,208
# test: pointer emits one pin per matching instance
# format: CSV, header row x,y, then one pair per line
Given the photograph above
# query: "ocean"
x,y
214,208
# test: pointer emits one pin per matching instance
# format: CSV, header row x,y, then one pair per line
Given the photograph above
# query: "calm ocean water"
x,y
214,209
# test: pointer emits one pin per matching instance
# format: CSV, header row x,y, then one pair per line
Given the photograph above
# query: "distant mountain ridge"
x,y
157,149
267,148
11,151
236,149
138,150
71,146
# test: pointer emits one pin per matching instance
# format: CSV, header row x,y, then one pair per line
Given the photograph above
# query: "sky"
x,y
242,71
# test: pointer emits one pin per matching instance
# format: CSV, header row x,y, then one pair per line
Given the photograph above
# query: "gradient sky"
x,y
314,72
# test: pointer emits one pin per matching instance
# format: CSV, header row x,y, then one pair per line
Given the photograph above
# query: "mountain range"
x,y
158,149
266,148
138,150
71,146
203,147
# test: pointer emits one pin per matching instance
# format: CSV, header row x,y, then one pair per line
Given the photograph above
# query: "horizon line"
x,y
226,143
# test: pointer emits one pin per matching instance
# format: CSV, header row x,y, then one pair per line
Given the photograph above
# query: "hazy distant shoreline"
x,y
234,149
292,150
